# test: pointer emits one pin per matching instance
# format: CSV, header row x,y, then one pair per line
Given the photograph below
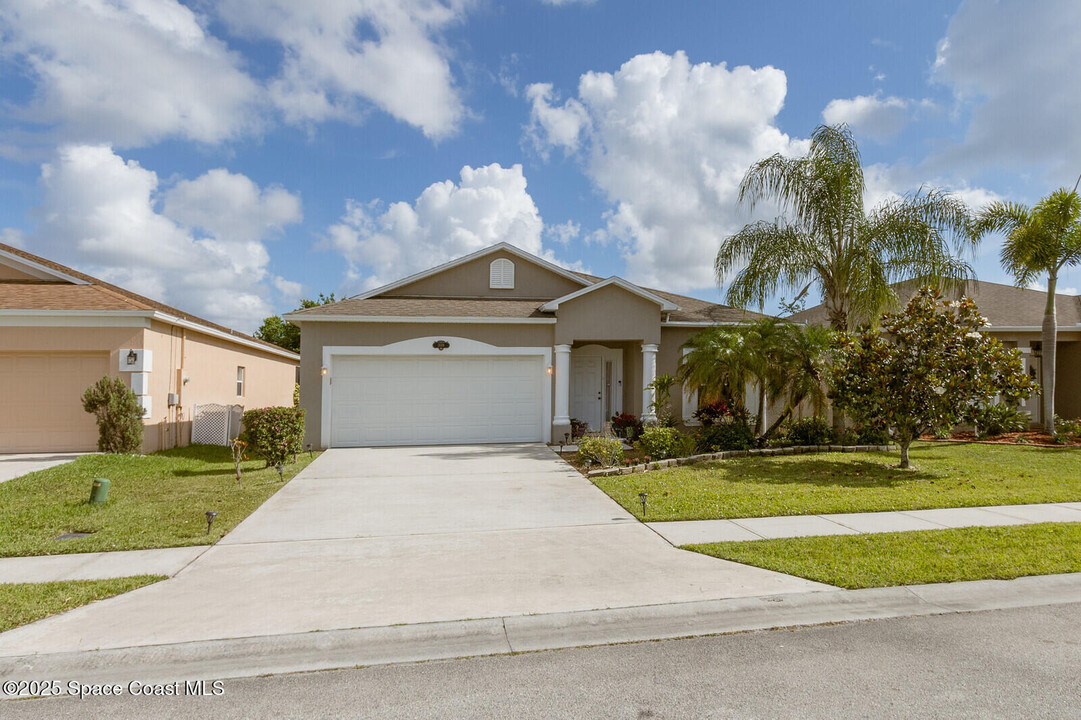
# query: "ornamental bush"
x,y
626,425
727,435
998,419
809,431
119,415
606,451
275,434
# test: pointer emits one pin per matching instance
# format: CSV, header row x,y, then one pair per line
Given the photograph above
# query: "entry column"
x,y
649,374
563,385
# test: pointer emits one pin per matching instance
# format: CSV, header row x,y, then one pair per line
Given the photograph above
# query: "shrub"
x,y
578,427
627,425
118,413
809,431
606,451
872,435
712,413
664,442
994,420
1067,430
727,435
274,433
296,395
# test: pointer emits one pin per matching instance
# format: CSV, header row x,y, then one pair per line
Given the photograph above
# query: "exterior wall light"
x,y
548,369
133,357
323,371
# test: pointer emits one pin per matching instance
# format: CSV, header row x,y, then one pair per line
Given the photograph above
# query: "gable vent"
x,y
501,274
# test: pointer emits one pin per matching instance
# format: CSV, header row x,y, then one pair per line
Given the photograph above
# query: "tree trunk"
x,y
905,465
1047,362
838,316
761,421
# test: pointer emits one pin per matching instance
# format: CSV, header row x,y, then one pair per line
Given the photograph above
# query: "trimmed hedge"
x,y
601,450
727,435
119,415
275,434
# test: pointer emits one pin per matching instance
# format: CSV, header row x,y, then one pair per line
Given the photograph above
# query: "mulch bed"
x,y
571,456
1031,437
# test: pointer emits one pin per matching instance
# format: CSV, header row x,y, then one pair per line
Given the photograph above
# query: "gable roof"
x,y
666,305
65,289
373,307
504,246
1005,306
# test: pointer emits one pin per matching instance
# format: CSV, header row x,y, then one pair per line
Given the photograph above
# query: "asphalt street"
x,y
1017,663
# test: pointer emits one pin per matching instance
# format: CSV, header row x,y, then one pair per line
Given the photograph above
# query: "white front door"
x,y
587,393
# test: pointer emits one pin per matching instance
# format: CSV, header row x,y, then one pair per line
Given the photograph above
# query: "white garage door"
x,y
433,400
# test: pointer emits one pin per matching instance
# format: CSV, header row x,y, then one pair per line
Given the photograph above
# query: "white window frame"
x,y
501,274
241,380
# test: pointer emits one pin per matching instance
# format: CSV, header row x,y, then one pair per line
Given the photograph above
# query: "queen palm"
x,y
828,239
1040,241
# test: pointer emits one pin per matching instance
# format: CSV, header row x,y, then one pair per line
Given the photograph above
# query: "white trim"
x,y
423,346
666,306
1029,328
649,374
125,318
466,258
486,320
697,323
36,269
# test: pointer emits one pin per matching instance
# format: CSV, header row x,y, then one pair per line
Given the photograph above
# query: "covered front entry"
x,y
435,398
596,384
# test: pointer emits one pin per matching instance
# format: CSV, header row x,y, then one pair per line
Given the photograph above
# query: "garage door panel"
x,y
392,400
41,400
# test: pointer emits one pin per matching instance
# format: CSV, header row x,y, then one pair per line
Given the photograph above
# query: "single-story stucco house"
x,y
61,330
1016,317
496,346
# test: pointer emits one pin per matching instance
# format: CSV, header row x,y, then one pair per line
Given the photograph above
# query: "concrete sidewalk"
x,y
690,532
354,647
98,566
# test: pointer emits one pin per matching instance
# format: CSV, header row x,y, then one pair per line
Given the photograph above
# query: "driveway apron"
x,y
380,536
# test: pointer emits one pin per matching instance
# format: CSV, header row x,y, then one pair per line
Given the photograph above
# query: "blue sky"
x,y
230,157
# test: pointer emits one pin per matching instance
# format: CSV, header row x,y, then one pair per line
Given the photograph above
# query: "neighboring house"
x,y
496,346
61,330
1016,317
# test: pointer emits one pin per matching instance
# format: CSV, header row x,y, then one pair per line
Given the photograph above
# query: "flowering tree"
x,y
926,369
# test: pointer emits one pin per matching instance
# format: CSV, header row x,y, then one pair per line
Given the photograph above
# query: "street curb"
x,y
326,650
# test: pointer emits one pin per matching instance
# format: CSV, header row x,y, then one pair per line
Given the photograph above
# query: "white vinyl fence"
x,y
214,424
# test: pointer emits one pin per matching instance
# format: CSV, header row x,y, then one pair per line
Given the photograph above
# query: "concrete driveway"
x,y
372,537
12,466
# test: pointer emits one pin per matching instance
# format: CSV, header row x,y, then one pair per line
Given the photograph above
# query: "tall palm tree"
x,y
801,360
1042,240
831,242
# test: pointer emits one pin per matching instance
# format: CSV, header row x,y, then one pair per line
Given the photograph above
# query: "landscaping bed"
x,y
945,475
157,500
1029,437
914,558
22,603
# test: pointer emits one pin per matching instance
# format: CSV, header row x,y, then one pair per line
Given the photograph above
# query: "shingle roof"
x,y
691,309
97,295
1002,305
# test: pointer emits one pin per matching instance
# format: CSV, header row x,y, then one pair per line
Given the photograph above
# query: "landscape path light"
x,y
210,515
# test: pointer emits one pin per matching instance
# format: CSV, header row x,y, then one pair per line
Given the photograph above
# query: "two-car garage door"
x,y
432,399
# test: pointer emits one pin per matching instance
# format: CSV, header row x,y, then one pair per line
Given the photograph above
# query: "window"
x,y
501,274
240,382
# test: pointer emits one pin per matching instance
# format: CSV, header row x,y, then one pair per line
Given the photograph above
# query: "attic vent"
x,y
501,274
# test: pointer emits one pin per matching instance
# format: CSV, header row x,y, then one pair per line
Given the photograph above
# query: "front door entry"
x,y
587,376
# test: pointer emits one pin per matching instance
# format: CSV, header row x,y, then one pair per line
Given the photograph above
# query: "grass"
x,y
157,500
23,603
917,557
946,475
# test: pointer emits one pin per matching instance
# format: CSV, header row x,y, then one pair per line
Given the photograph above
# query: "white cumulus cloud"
x,y
488,205
877,117
340,55
1016,68
198,246
126,72
668,143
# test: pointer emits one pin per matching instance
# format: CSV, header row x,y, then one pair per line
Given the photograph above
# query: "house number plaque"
x,y
441,345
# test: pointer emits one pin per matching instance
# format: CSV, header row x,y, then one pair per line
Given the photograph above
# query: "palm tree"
x,y
831,241
801,361
1045,239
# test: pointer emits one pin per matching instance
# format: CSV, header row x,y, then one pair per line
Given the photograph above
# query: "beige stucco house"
x,y
1016,317
61,330
496,346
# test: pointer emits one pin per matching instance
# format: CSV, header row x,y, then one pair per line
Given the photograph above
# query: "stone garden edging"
x,y
727,454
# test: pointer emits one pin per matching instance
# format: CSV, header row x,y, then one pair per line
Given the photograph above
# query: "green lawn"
x,y
23,603
157,500
946,475
915,558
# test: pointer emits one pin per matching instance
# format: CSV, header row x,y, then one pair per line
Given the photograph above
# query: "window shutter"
x,y
501,274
